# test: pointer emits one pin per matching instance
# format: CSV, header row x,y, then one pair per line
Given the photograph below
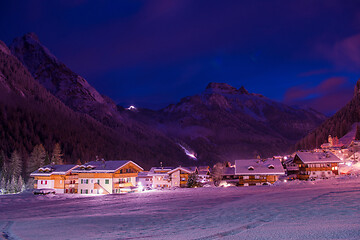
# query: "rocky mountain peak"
x,y
242,90
4,48
220,88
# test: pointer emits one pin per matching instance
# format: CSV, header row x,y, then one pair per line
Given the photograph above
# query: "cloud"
x,y
344,54
327,97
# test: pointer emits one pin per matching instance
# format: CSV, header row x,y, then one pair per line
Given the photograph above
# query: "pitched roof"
x,y
185,169
103,166
256,167
318,157
159,170
50,169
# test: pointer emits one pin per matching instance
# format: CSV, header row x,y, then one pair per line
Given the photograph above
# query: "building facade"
x,y
60,178
315,165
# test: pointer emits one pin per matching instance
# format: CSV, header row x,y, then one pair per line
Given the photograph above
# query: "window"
x,y
128,179
251,168
121,171
86,191
257,177
98,181
271,166
92,181
91,191
41,182
246,177
81,181
60,181
45,182
81,191
86,181
106,181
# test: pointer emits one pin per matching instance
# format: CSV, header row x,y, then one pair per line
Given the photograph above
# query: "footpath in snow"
x,y
326,209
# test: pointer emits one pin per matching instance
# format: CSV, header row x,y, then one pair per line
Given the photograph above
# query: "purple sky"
x,y
152,53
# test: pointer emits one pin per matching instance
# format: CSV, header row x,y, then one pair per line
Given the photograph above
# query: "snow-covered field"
x,y
328,209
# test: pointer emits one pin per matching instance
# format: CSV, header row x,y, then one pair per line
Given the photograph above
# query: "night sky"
x,y
153,53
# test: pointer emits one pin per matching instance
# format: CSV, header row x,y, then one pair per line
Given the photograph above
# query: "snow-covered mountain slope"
x,y
228,123
55,76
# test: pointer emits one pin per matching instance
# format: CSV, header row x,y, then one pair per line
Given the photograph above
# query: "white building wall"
x,y
175,179
161,181
89,186
321,174
47,184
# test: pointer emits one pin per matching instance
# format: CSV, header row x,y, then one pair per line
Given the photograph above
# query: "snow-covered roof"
x,y
159,171
51,169
259,167
143,174
318,157
103,166
185,169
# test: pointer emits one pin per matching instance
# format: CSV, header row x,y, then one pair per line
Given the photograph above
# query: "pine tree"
x,y
57,155
15,164
20,185
2,184
12,187
37,158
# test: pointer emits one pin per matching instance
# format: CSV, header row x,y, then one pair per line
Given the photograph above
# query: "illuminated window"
x,y
41,182
246,177
257,177
45,182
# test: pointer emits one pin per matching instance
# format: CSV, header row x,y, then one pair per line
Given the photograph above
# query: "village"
x,y
336,157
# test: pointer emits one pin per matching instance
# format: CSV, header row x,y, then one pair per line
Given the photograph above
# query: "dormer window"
x,y
271,166
251,168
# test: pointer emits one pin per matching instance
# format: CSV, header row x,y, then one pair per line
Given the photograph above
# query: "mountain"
x,y
30,115
337,125
56,77
225,123
44,101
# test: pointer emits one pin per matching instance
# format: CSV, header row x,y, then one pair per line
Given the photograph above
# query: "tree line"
x,y
15,170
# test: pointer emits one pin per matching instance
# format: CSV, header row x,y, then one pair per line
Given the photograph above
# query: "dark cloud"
x,y
327,97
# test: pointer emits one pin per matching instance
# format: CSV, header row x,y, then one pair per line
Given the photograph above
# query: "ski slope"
x,y
324,209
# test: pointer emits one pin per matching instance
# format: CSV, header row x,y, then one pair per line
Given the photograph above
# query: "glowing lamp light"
x,y
285,158
101,191
285,180
140,187
348,164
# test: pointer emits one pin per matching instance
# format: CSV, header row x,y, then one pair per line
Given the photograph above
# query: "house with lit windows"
x,y
59,178
160,177
252,172
180,175
315,165
106,177
144,180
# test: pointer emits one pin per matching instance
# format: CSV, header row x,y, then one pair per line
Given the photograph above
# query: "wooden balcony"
x,y
125,175
121,185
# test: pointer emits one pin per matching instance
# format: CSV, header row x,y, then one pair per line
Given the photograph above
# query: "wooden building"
x,y
252,172
59,178
180,175
105,177
313,165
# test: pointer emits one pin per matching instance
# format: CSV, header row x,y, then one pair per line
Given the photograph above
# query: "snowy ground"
x,y
328,209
